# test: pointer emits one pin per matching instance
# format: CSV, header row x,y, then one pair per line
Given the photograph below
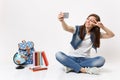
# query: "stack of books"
x,y
40,61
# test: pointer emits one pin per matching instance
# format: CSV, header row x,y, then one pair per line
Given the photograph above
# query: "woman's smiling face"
x,y
90,22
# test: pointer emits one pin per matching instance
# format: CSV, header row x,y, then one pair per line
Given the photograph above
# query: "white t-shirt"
x,y
84,48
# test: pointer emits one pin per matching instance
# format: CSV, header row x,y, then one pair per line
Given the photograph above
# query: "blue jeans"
x,y
76,63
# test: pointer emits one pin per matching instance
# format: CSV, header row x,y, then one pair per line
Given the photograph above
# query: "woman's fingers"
x,y
61,16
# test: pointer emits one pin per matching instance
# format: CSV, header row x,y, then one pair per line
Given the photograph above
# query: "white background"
x,y
36,20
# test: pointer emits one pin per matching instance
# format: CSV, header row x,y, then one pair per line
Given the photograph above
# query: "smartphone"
x,y
66,15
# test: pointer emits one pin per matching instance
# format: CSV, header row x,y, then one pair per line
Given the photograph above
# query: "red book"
x,y
45,58
35,58
34,69
38,58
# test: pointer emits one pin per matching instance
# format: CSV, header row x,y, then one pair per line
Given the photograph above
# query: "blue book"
x,y
41,60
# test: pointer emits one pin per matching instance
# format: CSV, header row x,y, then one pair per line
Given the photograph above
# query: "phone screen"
x,y
66,15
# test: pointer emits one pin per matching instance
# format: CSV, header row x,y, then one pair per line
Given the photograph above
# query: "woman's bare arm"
x,y
64,24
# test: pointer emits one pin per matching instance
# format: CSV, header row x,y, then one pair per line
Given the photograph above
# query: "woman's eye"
x,y
92,21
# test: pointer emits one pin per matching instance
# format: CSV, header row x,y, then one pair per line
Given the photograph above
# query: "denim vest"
x,y
76,41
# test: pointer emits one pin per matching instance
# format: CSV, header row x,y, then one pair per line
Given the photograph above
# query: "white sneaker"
x,y
93,70
67,69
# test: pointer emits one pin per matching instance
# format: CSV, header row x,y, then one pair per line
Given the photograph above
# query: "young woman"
x,y
84,38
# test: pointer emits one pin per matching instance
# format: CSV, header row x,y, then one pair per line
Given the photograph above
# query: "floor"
x,y
56,72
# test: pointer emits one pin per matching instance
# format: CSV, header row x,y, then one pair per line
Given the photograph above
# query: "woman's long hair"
x,y
95,32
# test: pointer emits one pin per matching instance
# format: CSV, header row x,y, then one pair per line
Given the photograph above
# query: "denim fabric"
x,y
76,63
76,41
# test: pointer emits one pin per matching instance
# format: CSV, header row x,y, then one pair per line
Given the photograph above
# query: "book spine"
x,y
38,58
37,68
35,58
45,58
41,60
